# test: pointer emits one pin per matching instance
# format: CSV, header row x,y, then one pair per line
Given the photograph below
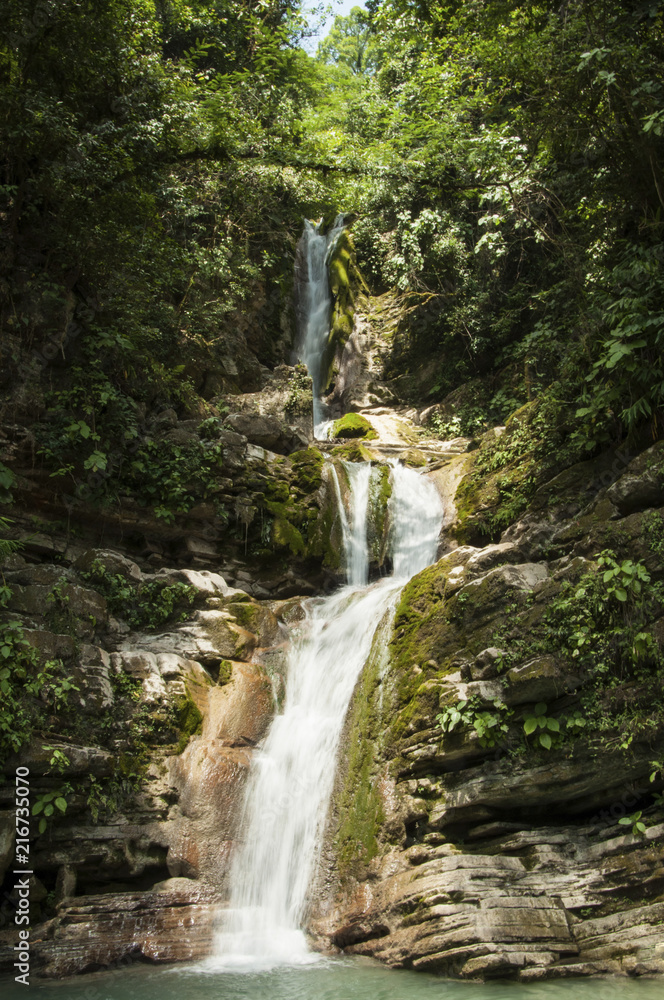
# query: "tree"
x,y
351,43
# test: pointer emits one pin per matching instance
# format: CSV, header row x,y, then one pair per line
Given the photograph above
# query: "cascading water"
x,y
354,527
291,782
316,304
416,514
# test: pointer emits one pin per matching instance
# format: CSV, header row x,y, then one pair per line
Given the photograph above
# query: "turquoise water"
x,y
328,980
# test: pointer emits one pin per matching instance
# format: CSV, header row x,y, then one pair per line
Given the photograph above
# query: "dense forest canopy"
x,y
502,163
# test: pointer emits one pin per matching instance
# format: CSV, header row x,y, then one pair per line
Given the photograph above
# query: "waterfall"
x,y
354,527
316,303
416,514
292,776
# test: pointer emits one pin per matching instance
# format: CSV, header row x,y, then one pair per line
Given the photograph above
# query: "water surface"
x,y
329,979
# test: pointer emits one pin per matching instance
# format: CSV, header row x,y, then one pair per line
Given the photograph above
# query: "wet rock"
x,y
95,932
267,432
82,760
38,600
163,675
205,581
65,883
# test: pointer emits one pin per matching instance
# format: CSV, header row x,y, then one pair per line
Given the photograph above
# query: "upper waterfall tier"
x,y
316,300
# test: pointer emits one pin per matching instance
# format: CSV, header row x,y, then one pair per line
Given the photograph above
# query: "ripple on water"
x,y
328,979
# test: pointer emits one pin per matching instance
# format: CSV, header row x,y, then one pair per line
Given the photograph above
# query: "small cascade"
x,y
316,248
292,776
416,515
354,526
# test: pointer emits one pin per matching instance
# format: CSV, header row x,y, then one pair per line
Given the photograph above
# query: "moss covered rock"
x,y
345,283
353,425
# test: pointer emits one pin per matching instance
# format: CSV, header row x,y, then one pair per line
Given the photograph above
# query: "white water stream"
x,y
291,780
317,303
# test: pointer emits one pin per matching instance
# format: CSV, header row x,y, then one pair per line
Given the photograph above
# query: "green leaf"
x,y
545,740
42,825
48,810
553,725
61,804
625,821
530,725
620,594
641,827
540,708
37,808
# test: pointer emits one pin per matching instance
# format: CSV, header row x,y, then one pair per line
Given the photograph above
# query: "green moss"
x,y
420,617
225,672
246,614
360,806
353,425
380,491
308,469
345,282
354,451
189,720
276,490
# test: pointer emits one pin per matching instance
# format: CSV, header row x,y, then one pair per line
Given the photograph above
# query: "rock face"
x,y
172,715
95,932
463,845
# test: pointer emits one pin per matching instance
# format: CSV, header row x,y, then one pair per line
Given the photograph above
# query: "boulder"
x,y
114,563
271,433
538,680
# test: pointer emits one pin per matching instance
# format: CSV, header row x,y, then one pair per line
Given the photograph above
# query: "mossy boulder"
x,y
307,470
353,425
345,283
353,451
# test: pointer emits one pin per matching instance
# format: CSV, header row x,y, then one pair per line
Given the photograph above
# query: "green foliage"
x,y
7,482
150,604
540,720
178,476
625,579
103,800
487,724
48,802
28,690
300,398
605,639
350,43
638,827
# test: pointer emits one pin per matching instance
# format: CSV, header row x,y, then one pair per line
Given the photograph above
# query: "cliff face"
x,y
515,729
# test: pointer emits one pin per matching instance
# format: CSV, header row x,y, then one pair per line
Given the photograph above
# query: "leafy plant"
x,y
48,802
151,603
624,579
638,827
486,723
539,720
